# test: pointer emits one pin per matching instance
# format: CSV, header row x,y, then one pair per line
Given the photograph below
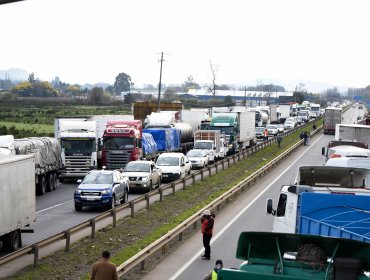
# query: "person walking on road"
x,y
305,137
104,269
265,134
212,275
207,231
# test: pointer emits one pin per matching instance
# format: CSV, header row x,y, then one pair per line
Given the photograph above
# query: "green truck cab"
x,y
270,256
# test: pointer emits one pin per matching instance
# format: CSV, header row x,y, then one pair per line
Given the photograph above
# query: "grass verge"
x,y
133,234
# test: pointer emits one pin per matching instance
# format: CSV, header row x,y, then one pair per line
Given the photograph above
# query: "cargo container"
x,y
17,199
333,116
353,132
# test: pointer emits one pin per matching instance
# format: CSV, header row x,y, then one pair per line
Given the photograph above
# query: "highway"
x,y
247,213
55,210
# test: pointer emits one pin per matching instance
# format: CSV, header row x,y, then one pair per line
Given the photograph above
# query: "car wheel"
x,y
125,197
159,182
189,171
150,187
78,207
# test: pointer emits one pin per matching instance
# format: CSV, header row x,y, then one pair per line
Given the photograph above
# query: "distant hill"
x,y
14,74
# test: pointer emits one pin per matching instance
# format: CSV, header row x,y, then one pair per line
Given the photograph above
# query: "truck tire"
x,y
78,207
13,241
55,181
41,185
49,182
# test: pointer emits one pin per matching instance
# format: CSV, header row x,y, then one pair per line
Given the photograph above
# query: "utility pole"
x,y
159,86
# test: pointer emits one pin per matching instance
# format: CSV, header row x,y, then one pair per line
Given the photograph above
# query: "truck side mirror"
x,y
269,209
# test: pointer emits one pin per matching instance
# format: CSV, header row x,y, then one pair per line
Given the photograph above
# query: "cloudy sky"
x,y
92,41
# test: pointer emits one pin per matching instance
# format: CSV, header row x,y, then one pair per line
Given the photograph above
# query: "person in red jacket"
x,y
207,231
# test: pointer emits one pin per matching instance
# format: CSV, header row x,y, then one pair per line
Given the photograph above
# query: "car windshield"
x,y
168,161
302,114
290,119
289,123
195,153
260,129
137,167
98,178
203,145
270,126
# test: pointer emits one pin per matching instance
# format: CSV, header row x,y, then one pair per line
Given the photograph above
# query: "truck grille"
x,y
118,160
77,164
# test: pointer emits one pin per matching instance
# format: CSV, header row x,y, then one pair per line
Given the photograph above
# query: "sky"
x,y
90,41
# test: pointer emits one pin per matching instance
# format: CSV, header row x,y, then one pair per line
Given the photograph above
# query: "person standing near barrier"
x,y
104,269
279,138
314,126
207,231
265,135
305,137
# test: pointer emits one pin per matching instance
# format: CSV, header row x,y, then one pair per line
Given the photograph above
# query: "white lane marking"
x,y
196,256
51,207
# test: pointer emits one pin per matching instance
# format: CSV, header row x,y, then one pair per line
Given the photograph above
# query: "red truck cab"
x,y
121,143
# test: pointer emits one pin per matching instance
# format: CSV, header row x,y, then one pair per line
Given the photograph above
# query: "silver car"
x,y
143,175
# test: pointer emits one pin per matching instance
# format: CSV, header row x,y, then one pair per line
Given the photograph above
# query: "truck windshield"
x,y
118,143
167,161
203,145
228,130
78,146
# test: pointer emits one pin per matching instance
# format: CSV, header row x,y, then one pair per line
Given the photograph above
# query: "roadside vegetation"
x,y
133,234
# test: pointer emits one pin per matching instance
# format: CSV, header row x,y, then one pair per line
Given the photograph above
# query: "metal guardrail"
x,y
91,223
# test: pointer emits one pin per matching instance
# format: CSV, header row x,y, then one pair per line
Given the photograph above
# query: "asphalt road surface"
x,y
247,213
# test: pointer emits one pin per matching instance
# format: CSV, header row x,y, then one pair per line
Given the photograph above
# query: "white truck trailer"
x,y
353,132
17,199
284,112
333,116
47,154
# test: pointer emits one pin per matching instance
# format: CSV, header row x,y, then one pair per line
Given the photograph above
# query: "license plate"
x,y
91,198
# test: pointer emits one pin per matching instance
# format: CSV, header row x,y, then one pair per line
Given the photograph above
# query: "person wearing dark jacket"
x,y
207,231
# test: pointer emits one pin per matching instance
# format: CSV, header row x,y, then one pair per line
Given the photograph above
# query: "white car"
x,y
293,119
174,166
289,125
280,127
272,129
197,158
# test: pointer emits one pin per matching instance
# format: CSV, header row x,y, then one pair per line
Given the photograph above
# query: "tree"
x,y
122,83
97,96
190,84
214,70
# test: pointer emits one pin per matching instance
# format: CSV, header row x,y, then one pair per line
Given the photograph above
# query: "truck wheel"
x,y
78,207
41,185
55,181
49,182
13,241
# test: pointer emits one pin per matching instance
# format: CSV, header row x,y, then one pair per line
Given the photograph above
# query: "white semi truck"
x,y
17,199
81,141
